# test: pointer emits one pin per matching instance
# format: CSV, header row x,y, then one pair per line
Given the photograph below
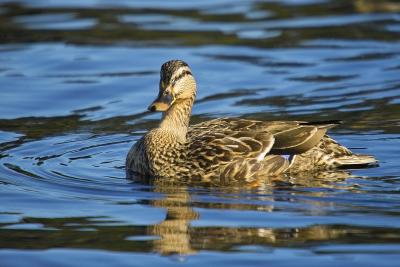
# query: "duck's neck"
x,y
176,118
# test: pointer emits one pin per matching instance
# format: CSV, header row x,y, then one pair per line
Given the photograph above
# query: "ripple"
x,y
60,21
71,165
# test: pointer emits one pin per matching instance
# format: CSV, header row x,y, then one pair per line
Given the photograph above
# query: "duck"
x,y
229,150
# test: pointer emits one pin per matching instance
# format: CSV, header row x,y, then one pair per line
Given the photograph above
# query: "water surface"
x,y
76,78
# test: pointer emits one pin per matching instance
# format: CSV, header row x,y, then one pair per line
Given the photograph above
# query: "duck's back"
x,y
303,145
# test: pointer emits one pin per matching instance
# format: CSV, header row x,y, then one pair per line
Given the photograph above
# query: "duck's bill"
x,y
162,103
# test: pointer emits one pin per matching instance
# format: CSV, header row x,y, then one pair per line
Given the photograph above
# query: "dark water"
x,y
76,77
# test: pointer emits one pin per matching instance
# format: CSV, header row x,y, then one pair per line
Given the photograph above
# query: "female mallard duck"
x,y
228,149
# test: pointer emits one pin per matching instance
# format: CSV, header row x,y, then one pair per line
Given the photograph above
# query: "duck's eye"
x,y
166,92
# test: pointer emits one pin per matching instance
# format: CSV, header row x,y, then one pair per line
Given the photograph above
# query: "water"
x,y
76,78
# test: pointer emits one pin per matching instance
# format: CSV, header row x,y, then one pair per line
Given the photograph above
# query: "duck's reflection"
x,y
178,236
174,231
370,6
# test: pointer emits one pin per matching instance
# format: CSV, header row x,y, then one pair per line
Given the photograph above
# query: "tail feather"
x,y
356,160
334,122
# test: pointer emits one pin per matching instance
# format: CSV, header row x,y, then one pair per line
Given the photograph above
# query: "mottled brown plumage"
x,y
228,150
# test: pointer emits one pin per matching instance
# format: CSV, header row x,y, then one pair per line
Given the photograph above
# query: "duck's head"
x,y
176,83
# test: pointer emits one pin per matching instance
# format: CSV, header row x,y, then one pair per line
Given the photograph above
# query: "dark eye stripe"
x,y
183,74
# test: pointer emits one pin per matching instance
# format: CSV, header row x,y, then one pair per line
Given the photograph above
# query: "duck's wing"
x,y
299,137
223,145
231,152
290,137
234,157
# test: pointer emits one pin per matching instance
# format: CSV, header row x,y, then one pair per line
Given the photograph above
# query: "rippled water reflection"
x,y
77,76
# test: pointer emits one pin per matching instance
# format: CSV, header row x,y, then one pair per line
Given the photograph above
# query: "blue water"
x,y
76,78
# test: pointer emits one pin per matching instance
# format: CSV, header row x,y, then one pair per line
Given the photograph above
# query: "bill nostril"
x,y
152,108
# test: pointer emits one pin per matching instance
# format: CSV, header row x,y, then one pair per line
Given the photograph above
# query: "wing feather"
x,y
245,148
